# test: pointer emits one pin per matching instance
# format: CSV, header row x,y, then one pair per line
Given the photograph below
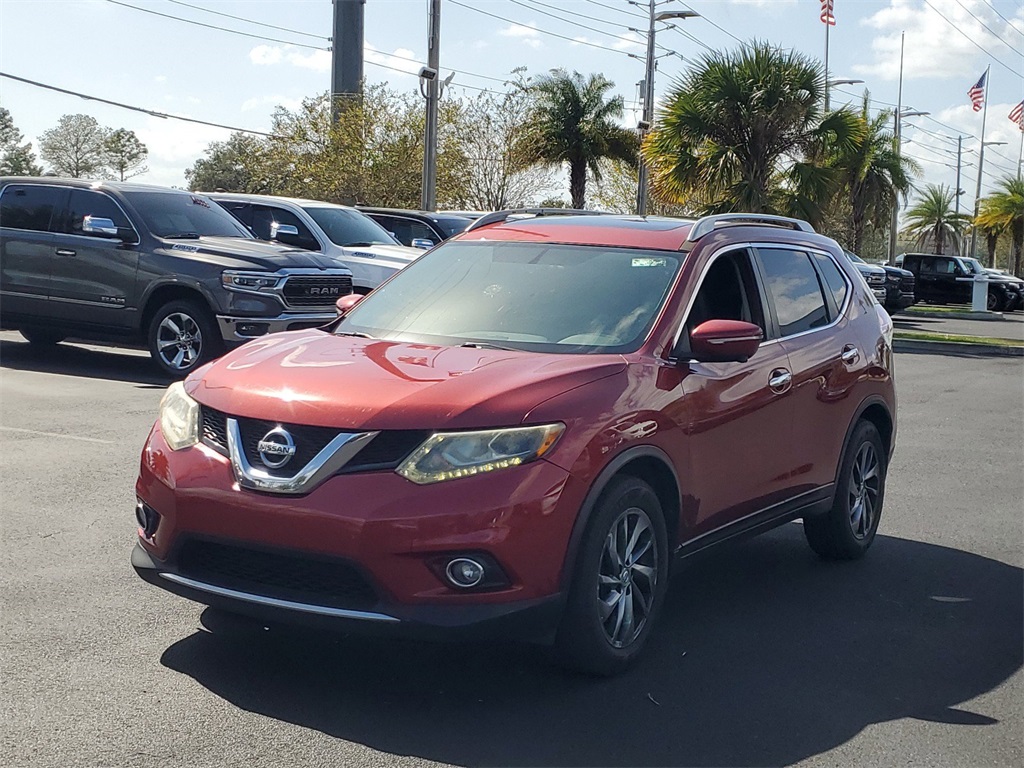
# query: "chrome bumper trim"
x,y
227,323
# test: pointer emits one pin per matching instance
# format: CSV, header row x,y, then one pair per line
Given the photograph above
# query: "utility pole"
x,y
431,84
346,54
896,201
959,148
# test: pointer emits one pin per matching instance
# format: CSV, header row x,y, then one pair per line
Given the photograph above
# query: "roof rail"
x,y
499,216
708,224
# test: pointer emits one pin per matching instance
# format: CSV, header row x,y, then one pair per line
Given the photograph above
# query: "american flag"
x,y
1017,115
977,93
828,15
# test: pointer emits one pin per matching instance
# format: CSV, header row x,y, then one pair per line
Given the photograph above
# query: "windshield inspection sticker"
x,y
200,201
186,248
650,262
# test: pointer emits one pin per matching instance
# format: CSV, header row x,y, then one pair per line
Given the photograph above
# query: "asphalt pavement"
x,y
764,656
1010,326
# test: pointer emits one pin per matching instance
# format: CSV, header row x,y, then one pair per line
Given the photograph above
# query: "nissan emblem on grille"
x,y
276,448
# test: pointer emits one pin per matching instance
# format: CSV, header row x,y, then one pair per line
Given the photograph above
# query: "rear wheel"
x,y
42,337
619,581
847,530
994,302
182,336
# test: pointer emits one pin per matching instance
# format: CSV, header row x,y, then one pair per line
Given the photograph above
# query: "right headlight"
x,y
179,418
450,455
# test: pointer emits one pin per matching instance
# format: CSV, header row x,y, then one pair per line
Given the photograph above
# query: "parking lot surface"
x,y
1010,326
764,655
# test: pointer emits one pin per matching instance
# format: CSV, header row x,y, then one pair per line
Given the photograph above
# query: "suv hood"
x,y
314,377
243,253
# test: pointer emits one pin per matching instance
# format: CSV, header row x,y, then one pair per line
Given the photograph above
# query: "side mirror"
x,y
94,225
422,242
725,341
345,303
288,230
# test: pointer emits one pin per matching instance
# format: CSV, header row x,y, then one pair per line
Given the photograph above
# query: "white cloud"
x,y
629,40
266,54
946,52
320,61
525,33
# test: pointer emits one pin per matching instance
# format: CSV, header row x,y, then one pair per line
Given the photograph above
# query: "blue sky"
x,y
104,49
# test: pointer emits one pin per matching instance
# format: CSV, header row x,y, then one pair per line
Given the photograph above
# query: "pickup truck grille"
x,y
907,284
314,291
874,279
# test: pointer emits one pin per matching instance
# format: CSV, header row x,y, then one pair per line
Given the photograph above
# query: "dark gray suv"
x,y
112,261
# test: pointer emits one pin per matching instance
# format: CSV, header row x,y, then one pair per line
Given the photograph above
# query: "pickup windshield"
x,y
526,296
182,216
345,227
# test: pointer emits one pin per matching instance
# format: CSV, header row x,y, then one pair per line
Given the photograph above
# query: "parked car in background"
x,y
340,233
418,229
874,276
517,433
1000,275
899,284
949,280
116,261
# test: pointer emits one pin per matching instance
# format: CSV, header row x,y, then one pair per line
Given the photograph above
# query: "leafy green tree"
x,y
16,159
616,192
873,174
575,124
747,131
125,154
235,165
933,222
75,147
1004,210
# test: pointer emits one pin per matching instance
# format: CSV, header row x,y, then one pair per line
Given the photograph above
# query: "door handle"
x,y
780,380
850,354
65,252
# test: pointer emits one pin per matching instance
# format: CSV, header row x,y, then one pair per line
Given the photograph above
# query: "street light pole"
x,y
648,115
430,78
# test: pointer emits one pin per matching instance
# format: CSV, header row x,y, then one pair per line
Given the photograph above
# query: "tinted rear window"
x,y
29,206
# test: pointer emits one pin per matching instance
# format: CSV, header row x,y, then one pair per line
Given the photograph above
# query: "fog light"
x,y
147,518
464,573
251,330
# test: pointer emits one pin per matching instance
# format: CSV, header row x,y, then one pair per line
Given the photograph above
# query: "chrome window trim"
x,y
273,602
780,246
332,457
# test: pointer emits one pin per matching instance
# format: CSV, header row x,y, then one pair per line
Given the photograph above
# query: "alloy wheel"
x,y
179,341
628,574
865,482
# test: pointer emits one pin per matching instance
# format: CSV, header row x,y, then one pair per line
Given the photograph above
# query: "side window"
x,y
264,217
928,267
944,266
833,279
241,211
398,227
912,263
420,230
728,292
792,282
85,202
29,206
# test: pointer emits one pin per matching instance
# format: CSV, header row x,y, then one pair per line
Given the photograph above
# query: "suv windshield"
x,y
528,296
345,227
181,215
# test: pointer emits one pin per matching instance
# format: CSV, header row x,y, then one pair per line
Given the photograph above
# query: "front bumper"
x,y
236,330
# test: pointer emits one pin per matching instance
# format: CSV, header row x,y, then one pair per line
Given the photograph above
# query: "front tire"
x,y
182,336
619,581
994,302
847,530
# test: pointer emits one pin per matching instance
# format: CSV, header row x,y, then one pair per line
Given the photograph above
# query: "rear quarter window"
x,y
833,278
29,206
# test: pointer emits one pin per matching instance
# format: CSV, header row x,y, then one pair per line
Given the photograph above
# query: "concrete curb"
x,y
985,316
923,346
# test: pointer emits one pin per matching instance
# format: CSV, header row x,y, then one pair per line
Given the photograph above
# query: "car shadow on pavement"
x,y
73,360
764,656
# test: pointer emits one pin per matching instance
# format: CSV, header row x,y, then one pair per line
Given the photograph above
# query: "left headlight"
x,y
450,455
179,418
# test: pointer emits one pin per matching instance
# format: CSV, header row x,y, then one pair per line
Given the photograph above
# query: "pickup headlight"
x,y
179,418
240,280
450,455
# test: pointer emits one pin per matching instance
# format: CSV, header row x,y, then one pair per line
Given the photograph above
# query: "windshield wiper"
x,y
487,345
360,334
182,236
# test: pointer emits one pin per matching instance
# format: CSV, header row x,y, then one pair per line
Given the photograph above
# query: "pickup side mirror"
x,y
725,341
288,230
99,227
345,303
422,242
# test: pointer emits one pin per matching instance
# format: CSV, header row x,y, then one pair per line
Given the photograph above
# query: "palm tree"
x,y
574,123
933,220
744,131
1004,209
872,172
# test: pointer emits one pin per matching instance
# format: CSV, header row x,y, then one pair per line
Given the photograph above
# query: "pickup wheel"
x,y
182,335
41,337
994,302
847,530
619,581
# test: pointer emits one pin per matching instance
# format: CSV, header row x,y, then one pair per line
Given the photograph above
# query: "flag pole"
x,y
981,165
827,25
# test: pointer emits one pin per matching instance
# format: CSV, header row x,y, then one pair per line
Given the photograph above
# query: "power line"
x,y
716,26
151,112
1008,22
617,10
573,22
537,29
1000,62
213,26
406,72
987,27
249,21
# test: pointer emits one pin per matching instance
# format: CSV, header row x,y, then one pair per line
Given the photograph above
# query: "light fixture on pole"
x,y
840,81
648,118
898,116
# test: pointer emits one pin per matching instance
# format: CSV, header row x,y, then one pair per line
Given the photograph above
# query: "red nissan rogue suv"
x,y
518,433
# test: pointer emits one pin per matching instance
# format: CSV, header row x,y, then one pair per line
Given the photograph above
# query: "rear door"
x,y
27,246
94,277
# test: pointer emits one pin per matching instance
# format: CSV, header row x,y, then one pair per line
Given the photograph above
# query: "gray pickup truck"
x,y
123,262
